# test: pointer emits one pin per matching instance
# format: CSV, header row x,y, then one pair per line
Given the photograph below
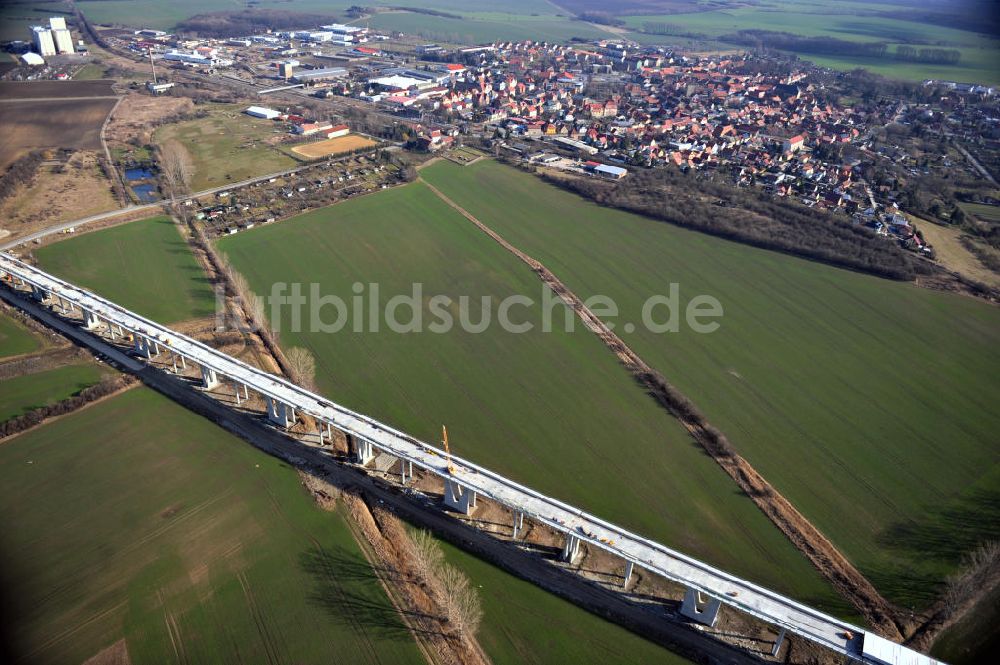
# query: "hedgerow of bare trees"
x,y
451,588
176,167
301,367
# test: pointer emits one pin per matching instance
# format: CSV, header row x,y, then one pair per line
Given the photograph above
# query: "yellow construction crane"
x,y
447,450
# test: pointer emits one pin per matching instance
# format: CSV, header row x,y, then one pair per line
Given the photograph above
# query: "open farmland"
x,y
24,393
145,266
15,339
867,403
851,21
337,146
552,410
53,123
177,543
228,146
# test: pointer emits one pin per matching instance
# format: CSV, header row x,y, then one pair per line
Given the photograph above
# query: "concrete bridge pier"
x,y
38,293
518,523
279,413
571,550
91,320
700,608
141,345
325,431
209,378
628,574
777,642
362,451
456,497
405,470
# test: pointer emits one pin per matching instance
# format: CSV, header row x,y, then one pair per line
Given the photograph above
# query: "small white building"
x,y
262,112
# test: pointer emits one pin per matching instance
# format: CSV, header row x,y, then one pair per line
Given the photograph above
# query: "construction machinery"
x,y
447,450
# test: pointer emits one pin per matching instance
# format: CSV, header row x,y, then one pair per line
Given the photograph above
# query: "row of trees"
x,y
249,22
107,385
21,172
786,41
750,217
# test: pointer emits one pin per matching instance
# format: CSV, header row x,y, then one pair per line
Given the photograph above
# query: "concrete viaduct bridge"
x,y
707,587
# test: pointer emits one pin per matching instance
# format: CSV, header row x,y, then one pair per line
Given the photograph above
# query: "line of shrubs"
x,y
103,388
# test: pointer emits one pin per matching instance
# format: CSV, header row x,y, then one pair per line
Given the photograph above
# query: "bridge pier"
x,y
456,497
405,470
209,378
518,523
38,293
777,642
699,608
362,451
571,550
90,320
278,413
141,345
628,574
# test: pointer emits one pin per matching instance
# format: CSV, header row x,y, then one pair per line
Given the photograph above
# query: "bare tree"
x,y
461,601
302,367
176,167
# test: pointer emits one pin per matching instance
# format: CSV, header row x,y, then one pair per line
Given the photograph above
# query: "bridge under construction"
x,y
707,588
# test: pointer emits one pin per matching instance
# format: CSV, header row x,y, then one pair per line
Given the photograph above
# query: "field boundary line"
x,y
817,548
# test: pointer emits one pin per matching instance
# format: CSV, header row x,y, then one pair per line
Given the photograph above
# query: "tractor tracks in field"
x,y
817,548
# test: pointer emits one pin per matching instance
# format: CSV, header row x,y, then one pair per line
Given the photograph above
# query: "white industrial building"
x,y
262,112
32,59
42,38
61,34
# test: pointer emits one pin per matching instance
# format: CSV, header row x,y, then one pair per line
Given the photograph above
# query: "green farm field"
x,y
987,213
850,21
867,403
525,625
15,339
181,540
552,410
145,266
24,393
228,146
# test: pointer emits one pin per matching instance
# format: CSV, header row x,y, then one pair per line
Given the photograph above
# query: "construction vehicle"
x,y
447,450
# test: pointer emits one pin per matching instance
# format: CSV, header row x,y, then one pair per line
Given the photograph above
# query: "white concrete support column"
x,y
700,608
236,389
90,320
209,378
173,358
456,497
113,332
246,392
155,347
628,574
141,345
405,470
278,412
183,363
777,642
518,523
571,549
362,451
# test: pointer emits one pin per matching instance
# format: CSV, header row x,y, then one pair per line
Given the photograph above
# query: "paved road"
x,y
150,207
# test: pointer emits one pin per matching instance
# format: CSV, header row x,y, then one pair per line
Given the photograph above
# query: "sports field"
x,y
24,393
867,403
552,410
186,543
228,145
145,266
15,339
337,146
